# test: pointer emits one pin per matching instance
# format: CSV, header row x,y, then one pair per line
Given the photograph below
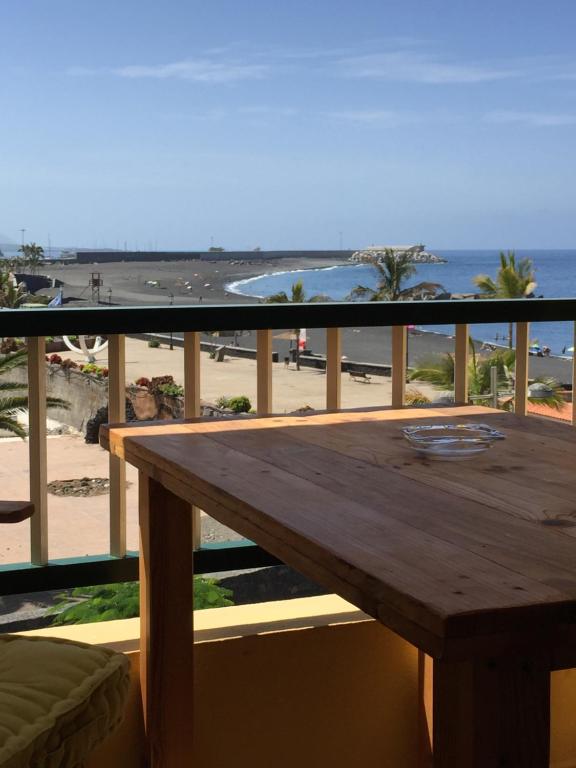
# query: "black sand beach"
x,y
162,283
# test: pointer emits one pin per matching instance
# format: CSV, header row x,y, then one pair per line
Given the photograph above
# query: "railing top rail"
x,y
133,319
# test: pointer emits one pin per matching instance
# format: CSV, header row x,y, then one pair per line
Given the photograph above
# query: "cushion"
x,y
58,700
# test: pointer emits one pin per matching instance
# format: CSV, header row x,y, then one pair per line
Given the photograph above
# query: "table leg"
x,y
492,713
166,624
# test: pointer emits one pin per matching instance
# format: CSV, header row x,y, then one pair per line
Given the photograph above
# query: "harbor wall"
x,y
104,257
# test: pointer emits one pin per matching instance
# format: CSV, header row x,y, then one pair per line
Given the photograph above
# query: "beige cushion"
x,y
58,700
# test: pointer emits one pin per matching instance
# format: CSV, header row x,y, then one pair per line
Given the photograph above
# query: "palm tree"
x,y
297,296
12,294
513,281
12,401
438,370
393,269
33,256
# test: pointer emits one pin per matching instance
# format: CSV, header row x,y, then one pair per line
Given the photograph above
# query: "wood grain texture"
x,y
192,404
333,368
521,368
461,346
399,350
37,448
166,624
446,554
492,713
15,511
191,374
117,468
264,372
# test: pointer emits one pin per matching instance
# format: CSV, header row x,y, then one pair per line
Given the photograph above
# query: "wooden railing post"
x,y
191,375
333,368
116,414
521,368
399,349
192,408
461,365
37,449
264,372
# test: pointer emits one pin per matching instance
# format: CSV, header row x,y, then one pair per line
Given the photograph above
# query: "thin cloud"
x,y
420,67
201,70
537,119
262,110
197,70
374,116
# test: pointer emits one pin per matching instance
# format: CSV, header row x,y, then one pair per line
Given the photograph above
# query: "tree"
x,y
297,296
12,401
438,370
12,293
32,256
393,269
513,281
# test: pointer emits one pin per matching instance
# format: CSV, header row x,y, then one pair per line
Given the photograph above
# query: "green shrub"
x,y
238,404
121,601
37,299
154,343
92,369
175,390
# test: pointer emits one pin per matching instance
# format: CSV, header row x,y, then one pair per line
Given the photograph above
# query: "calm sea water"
x,y
555,274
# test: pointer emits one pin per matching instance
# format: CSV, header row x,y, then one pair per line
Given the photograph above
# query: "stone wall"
x,y
85,394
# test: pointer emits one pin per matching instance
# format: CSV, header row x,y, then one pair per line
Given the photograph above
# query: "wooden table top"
x,y
448,554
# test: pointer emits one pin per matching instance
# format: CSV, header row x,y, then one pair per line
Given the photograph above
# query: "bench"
x,y
15,511
360,376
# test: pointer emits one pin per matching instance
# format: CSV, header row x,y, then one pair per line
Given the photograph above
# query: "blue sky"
x,y
283,124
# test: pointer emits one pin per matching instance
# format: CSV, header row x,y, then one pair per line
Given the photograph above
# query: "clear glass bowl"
x,y
451,442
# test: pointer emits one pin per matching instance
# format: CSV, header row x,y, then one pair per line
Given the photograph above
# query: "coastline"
x,y
209,283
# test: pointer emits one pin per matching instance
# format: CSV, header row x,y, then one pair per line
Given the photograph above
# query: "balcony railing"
x,y
42,573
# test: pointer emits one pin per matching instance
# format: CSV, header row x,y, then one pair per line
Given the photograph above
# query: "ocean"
x,y
555,273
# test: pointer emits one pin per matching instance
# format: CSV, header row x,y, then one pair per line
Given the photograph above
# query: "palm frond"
x,y
298,293
57,402
13,360
11,385
514,280
486,284
12,405
11,425
278,298
555,400
437,370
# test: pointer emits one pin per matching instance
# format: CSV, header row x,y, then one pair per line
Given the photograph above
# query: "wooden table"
x,y
472,562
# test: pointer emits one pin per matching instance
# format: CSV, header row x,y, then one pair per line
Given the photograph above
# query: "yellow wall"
x,y
307,683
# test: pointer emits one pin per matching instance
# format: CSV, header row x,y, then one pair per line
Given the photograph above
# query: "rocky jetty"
x,y
417,254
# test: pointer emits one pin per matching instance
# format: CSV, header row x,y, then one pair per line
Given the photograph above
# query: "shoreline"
x,y
194,282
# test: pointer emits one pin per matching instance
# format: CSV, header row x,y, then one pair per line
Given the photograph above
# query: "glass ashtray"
x,y
451,442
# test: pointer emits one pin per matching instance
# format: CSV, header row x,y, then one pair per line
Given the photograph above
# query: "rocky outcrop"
x,y
377,252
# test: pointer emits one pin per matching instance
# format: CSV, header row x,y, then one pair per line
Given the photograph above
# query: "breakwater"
x,y
106,257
